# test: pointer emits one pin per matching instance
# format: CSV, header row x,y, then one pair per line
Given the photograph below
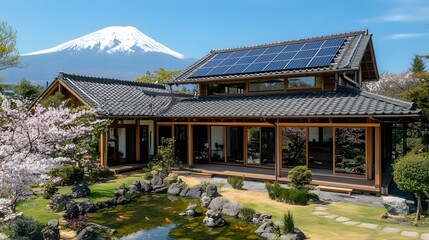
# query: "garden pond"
x,y
157,217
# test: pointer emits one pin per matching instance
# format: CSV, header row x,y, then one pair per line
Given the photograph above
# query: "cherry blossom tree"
x,y
393,85
34,142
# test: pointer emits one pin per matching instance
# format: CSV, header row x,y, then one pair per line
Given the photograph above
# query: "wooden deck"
x,y
320,177
127,167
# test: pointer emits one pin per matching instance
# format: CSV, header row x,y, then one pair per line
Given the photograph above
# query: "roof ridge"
x,y
345,34
78,77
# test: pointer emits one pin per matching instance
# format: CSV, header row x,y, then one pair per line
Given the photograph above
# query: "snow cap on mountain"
x,y
113,40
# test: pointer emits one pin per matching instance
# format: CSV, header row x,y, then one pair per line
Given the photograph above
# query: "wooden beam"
x,y
339,125
103,142
265,124
218,123
138,141
334,162
245,146
377,157
278,147
190,146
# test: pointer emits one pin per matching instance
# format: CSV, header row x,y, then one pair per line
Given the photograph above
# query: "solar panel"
x,y
281,57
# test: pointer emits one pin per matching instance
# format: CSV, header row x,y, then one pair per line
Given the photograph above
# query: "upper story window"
x,y
227,88
304,82
268,85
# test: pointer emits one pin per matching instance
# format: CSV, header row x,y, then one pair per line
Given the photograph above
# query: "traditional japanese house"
x,y
259,111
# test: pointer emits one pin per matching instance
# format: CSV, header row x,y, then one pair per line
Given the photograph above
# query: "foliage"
x,y
55,100
183,185
411,173
292,196
288,222
166,156
393,85
420,95
350,150
299,176
26,228
78,224
219,186
26,90
246,214
293,144
158,76
69,175
50,190
236,182
9,55
34,142
147,175
95,171
418,65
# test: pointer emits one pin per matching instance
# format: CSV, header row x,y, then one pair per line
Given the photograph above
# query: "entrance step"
x,y
335,189
126,168
202,175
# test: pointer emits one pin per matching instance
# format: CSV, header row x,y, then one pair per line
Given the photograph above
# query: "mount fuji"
x,y
113,52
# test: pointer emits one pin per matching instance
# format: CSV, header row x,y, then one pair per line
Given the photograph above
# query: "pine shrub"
x,y
235,182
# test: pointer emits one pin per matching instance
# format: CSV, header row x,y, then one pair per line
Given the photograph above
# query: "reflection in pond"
x,y
157,217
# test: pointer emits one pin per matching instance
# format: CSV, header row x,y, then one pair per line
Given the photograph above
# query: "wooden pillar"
x,y
245,146
377,154
138,140
278,147
190,146
103,143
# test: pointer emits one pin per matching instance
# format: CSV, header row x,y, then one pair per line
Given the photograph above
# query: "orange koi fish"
x,y
122,217
167,220
147,219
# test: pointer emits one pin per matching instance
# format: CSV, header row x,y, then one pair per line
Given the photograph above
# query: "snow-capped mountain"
x,y
113,39
114,52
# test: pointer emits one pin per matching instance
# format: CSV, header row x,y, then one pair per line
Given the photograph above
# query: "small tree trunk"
x,y
419,206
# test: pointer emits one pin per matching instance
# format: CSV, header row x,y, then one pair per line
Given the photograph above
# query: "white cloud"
x,y
404,14
406,35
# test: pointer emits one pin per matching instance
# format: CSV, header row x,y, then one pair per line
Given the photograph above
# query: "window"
x,y
304,82
235,88
268,85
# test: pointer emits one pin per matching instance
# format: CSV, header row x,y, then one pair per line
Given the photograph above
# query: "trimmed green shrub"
x,y
299,176
147,175
292,196
50,190
246,214
204,184
288,222
26,228
69,175
219,186
235,182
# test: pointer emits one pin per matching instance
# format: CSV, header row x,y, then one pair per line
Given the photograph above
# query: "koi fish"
x,y
167,208
167,220
147,219
122,217
119,220
241,228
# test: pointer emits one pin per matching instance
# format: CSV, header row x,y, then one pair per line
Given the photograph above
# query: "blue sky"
x,y
400,27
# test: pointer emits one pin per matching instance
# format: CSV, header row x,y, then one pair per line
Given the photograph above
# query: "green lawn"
x,y
36,207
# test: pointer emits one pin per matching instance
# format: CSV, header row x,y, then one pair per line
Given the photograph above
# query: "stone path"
x,y
323,212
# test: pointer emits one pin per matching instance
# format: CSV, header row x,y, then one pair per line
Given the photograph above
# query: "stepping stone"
x,y
368,225
425,236
410,234
331,216
320,209
320,213
391,230
342,219
351,223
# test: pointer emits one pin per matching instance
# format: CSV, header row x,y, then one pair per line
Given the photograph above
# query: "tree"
x,y
55,100
411,173
34,142
158,76
9,55
418,66
393,85
26,90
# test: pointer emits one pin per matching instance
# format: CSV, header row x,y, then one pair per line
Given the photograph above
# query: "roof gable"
x,y
338,52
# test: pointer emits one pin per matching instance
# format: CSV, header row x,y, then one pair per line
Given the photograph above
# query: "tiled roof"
x,y
112,97
349,57
341,102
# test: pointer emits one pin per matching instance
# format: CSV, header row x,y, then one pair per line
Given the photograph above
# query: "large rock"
x,y
59,202
86,206
217,203
205,201
146,187
265,227
231,209
157,178
174,189
80,190
170,179
395,205
51,231
161,190
183,192
297,235
194,192
87,233
72,211
137,185
211,191
213,218
120,192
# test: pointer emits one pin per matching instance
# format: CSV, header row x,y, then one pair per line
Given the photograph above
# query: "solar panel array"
x,y
262,59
